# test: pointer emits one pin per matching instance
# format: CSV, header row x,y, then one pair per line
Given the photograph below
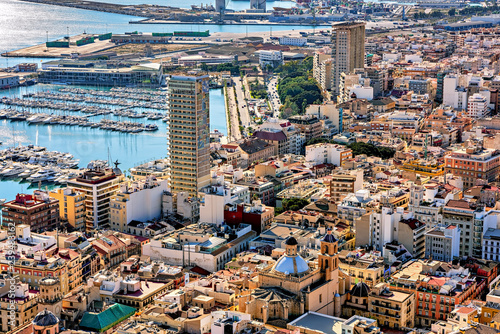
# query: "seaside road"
x,y
233,114
242,102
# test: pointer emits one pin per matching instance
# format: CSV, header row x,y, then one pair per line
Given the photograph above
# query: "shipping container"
x,y
105,36
57,44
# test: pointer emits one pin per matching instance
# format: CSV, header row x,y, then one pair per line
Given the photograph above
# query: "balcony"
x,y
389,307
386,314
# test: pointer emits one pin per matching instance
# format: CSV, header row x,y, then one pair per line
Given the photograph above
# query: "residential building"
x,y
491,244
189,133
139,200
393,309
25,306
477,106
362,266
327,153
411,234
112,250
438,287
40,212
71,206
256,214
255,149
99,185
472,163
343,183
309,125
348,51
217,195
295,41
442,243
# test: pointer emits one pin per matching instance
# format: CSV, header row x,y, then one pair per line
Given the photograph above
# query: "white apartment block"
x,y
477,106
214,198
442,243
295,41
322,153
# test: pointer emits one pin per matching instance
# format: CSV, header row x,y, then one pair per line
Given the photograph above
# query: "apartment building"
x,y
348,51
309,125
71,206
411,234
139,200
438,287
442,243
214,198
39,211
477,106
343,183
189,133
327,153
472,163
362,266
98,185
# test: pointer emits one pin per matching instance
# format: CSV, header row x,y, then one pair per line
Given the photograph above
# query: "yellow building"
x,y
424,168
71,206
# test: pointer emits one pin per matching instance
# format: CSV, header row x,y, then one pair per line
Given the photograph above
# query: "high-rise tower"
x,y
189,133
348,51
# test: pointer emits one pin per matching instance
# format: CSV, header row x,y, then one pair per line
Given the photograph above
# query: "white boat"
x,y
42,176
15,170
36,119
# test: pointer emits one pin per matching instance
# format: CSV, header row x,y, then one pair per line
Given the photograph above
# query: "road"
x,y
273,97
235,133
242,102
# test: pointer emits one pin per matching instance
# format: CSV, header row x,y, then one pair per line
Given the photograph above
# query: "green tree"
x,y
452,12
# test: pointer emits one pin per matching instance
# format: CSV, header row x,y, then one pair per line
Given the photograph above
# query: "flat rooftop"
x,y
319,322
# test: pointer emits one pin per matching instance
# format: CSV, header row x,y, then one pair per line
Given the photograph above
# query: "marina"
x,y
36,165
89,143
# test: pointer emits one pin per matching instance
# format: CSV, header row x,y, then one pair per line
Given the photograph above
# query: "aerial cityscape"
x,y
250,167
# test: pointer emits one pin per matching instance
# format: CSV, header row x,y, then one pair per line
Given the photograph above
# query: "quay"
x,y
43,51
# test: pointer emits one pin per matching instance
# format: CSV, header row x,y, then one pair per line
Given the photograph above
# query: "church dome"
x,y
45,319
329,237
291,241
291,265
360,290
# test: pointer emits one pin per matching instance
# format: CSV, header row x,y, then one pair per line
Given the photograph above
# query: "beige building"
x,y
348,51
393,309
189,133
345,183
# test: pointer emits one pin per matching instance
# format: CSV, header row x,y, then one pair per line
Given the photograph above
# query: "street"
x,y
273,97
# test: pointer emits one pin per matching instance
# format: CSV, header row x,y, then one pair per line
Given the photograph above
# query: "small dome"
x,y
45,319
329,237
117,171
291,241
360,290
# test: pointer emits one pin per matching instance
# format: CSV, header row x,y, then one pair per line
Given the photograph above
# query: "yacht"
x,y
42,175
15,170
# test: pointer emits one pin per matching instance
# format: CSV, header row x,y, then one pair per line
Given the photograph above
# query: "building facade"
x,y
189,133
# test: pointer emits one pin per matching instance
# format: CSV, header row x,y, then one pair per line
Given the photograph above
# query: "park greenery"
x,y
292,204
233,68
296,87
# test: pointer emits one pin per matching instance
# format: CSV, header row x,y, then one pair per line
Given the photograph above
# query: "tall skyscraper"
x,y
348,51
189,133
